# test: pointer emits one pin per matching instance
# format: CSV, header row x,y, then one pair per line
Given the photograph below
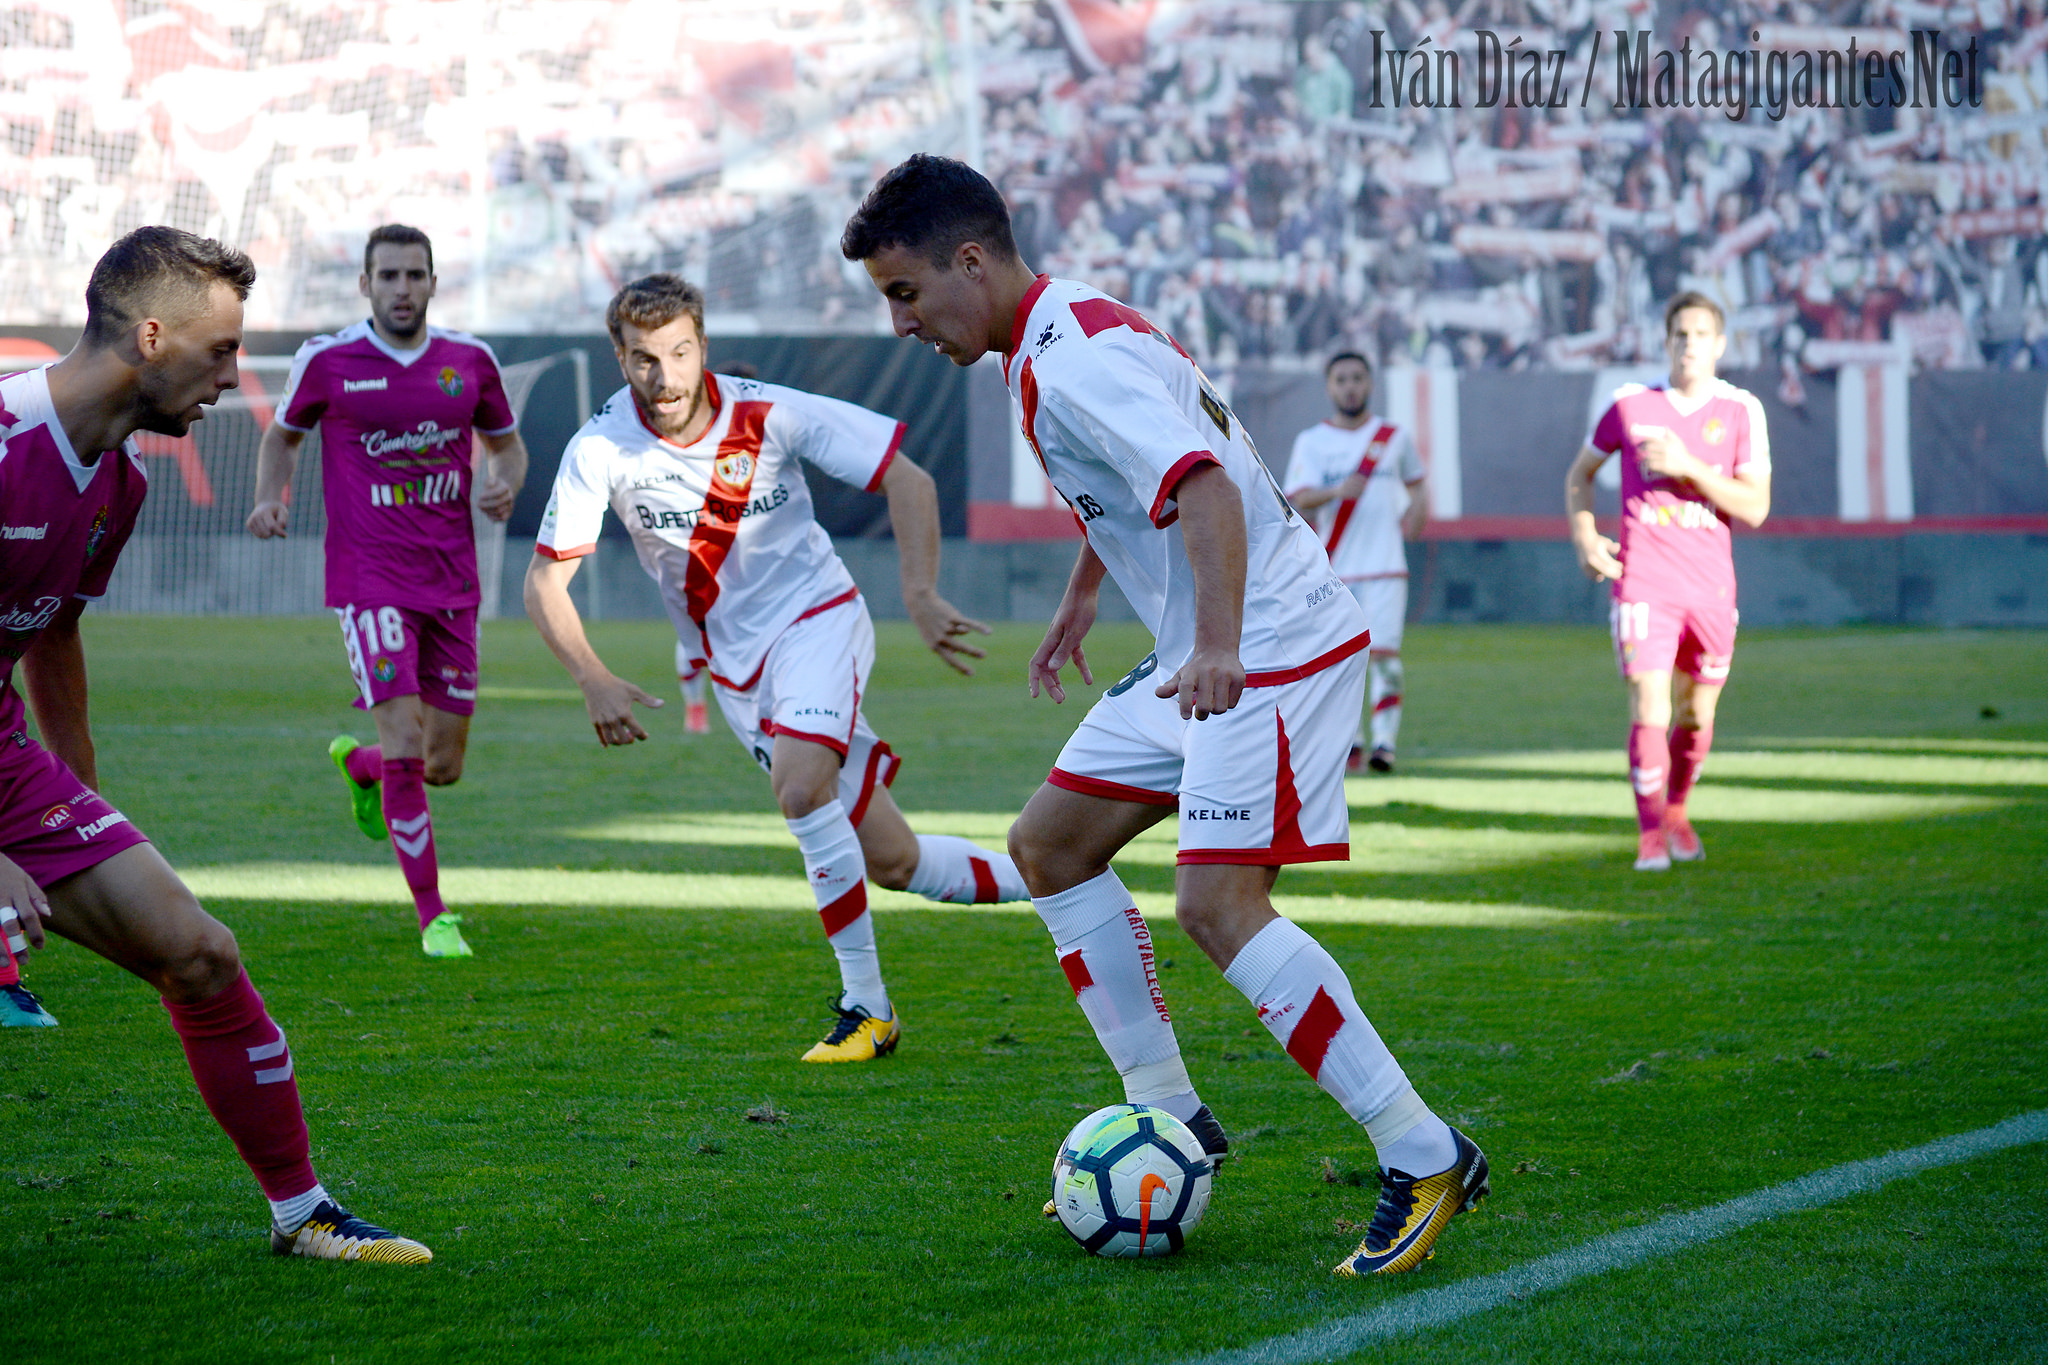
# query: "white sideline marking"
x,y
1436,1307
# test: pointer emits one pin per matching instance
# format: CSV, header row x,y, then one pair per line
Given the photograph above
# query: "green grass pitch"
x,y
571,1119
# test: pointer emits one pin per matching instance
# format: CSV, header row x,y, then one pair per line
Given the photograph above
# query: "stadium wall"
x,y
1898,498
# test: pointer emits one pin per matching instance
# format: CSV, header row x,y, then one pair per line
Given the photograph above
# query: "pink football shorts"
x,y
1695,638
404,652
52,824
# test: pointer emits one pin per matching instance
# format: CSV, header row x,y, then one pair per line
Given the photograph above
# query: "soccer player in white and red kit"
x,y
1361,479
1238,720
396,402
163,325
1694,455
703,471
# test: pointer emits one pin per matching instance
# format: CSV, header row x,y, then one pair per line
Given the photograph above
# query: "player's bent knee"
x,y
204,964
443,773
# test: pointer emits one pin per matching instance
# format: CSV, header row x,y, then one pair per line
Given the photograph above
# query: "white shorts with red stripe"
x,y
1262,783
809,687
1384,600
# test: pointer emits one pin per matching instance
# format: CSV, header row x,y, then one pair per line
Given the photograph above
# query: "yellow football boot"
x,y
1413,1212
857,1037
335,1234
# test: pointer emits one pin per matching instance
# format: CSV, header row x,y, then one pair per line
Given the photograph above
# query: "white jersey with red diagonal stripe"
x,y
724,525
1118,415
1363,535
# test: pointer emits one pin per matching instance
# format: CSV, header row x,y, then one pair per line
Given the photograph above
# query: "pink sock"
x,y
10,974
1688,753
412,833
365,765
238,1056
1647,757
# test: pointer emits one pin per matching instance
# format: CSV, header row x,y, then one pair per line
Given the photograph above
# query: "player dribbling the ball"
x,y
1695,455
1240,720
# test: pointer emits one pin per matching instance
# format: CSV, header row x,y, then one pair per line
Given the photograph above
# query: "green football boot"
x,y
443,937
368,802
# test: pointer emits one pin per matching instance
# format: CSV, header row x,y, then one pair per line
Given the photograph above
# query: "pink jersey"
x,y
1675,544
62,523
395,450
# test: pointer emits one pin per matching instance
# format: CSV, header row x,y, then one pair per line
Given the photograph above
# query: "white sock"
x,y
838,875
291,1214
1384,679
960,872
1106,952
1411,1139
1305,1001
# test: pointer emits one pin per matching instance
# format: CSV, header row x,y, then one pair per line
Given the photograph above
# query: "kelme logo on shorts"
x,y
384,670
450,381
56,817
1131,679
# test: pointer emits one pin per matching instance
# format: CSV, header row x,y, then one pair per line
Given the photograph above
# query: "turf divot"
x,y
1437,1307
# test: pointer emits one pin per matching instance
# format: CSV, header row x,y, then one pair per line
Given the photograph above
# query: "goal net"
x,y
190,554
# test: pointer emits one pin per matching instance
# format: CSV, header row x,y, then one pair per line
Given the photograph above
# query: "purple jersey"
x,y
395,460
62,522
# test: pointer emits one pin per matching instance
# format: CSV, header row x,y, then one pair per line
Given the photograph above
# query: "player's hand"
x,y
23,908
494,498
1599,558
1070,625
609,700
1352,487
942,625
1662,453
269,519
1208,684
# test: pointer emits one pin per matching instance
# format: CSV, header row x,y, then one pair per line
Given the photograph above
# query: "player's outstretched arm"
x,y
276,458
53,676
1746,496
914,517
504,473
608,699
1597,554
1212,530
1070,626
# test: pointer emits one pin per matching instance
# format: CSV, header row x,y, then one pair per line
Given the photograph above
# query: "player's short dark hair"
x,y
397,234
654,301
933,205
158,272
1341,357
1693,298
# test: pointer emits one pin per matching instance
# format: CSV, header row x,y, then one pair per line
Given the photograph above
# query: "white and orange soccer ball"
x,y
1131,1180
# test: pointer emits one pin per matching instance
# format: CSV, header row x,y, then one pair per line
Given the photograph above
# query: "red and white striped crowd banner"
x,y
1873,447
1424,399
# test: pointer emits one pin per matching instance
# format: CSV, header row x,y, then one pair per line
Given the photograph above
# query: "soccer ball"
x,y
1130,1180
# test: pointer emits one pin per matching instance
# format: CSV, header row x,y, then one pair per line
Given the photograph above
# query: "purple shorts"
x,y
51,823
405,652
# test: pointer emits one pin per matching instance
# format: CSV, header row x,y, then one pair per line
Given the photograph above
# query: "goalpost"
x,y
191,556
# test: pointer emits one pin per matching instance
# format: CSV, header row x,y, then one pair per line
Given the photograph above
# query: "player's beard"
x,y
152,413
654,417
1352,414
407,340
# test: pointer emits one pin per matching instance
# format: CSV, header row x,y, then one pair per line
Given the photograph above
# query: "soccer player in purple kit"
x,y
396,401
163,325
1695,455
